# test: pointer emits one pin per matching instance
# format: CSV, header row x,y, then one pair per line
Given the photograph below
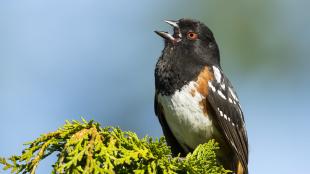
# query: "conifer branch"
x,y
85,147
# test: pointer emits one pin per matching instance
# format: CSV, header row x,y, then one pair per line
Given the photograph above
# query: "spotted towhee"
x,y
194,100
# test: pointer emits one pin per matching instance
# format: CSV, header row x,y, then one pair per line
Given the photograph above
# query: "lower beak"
x,y
165,35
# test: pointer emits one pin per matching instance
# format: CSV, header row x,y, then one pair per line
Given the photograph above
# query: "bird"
x,y
194,100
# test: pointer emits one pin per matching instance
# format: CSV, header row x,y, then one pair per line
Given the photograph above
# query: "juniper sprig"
x,y
85,147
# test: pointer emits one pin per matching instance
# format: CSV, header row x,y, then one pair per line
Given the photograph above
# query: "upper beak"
x,y
172,23
169,37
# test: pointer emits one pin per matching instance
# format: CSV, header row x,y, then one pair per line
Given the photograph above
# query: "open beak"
x,y
176,37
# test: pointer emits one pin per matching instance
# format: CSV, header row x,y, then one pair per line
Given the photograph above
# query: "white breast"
x,y
185,116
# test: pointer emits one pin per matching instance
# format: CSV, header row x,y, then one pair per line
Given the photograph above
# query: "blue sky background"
x,y
66,59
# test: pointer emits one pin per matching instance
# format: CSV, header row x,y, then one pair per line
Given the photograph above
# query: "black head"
x,y
191,40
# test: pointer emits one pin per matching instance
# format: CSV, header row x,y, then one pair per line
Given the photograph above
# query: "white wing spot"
x,y
230,100
233,144
225,116
211,86
221,94
217,74
233,94
223,86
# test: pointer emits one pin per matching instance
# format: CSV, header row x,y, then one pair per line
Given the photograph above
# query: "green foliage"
x,y
85,147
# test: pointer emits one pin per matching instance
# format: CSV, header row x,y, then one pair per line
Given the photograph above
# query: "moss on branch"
x,y
85,147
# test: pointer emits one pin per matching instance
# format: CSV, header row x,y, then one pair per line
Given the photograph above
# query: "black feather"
x,y
234,127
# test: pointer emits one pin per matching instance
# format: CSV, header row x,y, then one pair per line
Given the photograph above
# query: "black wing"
x,y
229,115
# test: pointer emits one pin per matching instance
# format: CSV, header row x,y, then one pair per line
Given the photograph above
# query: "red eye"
x,y
192,36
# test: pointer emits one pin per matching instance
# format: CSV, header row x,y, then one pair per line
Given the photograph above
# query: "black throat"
x,y
174,69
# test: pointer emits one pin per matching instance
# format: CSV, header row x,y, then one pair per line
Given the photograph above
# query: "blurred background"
x,y
95,59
